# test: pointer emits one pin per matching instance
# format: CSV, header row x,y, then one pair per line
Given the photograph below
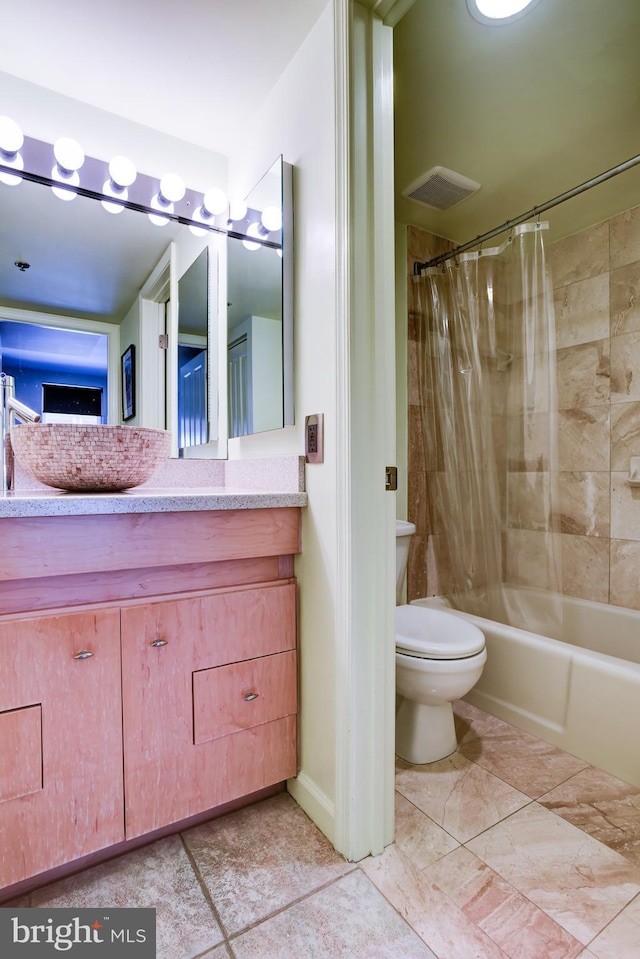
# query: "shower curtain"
x,y
486,374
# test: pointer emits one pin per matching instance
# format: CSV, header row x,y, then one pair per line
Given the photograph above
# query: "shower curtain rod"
x,y
535,211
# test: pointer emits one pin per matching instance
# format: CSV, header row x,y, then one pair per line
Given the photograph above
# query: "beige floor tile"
x,y
418,837
458,795
621,939
521,929
605,807
159,876
221,952
260,859
349,918
525,762
435,918
576,880
474,723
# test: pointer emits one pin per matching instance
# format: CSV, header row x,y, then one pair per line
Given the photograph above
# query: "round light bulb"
x,y
69,154
201,216
11,136
117,192
253,230
73,179
172,187
237,210
122,171
18,164
271,218
215,201
158,203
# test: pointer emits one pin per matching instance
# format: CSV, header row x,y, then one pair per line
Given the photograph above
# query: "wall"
x,y
298,120
596,282
596,276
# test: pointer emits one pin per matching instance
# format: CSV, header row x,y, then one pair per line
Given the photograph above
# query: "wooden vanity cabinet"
x,y
182,677
209,701
61,789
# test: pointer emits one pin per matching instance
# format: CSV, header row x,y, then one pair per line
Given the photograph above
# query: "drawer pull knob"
x,y
249,697
158,642
83,654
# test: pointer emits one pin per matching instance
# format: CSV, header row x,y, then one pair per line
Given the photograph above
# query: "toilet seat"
x,y
432,634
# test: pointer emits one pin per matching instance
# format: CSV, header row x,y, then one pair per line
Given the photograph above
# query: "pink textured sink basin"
x,y
97,458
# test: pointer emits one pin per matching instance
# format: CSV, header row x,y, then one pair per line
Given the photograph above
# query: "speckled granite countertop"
x,y
50,502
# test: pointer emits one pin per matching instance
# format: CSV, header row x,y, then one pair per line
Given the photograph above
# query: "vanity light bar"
x,y
190,208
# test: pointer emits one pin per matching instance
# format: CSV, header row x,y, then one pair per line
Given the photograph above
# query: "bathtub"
x,y
581,692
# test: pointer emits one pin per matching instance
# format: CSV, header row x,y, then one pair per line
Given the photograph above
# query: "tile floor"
x,y
508,849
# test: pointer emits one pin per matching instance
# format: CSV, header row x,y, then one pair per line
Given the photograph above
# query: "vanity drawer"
x,y
227,699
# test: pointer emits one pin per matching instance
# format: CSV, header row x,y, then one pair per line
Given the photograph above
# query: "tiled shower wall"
x,y
596,277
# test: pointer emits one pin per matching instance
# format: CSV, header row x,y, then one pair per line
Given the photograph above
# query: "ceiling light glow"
x,y
499,11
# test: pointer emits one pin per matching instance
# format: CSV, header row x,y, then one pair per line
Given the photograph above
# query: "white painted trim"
x,y
110,330
365,680
315,802
152,375
389,11
342,829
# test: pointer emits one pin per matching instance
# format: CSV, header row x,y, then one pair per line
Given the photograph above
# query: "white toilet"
x,y
439,658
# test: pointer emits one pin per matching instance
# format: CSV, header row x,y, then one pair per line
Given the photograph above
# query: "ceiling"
x,y
528,109
198,69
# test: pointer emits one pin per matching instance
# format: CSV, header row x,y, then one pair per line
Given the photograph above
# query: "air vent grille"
x,y
441,189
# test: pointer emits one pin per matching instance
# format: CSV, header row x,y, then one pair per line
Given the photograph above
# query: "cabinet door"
x,y
61,793
173,770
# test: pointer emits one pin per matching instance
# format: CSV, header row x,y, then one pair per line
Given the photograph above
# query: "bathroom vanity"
x,y
147,664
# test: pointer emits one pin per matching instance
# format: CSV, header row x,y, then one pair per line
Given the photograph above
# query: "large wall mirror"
x,y
70,272
259,311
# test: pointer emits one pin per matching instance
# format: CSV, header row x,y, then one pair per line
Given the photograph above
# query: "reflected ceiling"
x,y
529,109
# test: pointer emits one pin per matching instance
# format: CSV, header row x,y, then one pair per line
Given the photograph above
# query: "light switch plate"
x,y
314,438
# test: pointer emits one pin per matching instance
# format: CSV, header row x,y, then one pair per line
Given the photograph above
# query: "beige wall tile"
x,y
528,560
625,434
624,231
625,583
584,503
624,296
583,439
582,255
625,367
585,567
582,311
583,375
423,246
529,442
529,501
625,508
413,393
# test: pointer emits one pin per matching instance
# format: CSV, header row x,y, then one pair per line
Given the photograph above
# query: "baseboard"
x,y
315,803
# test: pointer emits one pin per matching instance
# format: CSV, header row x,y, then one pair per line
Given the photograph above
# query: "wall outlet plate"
x,y
314,438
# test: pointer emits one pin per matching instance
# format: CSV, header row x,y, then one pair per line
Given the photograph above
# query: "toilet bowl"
x,y
439,658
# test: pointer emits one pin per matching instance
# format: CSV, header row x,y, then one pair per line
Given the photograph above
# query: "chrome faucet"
x,y
10,407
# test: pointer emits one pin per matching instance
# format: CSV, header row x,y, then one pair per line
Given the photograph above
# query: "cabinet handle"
x,y
249,697
83,654
158,642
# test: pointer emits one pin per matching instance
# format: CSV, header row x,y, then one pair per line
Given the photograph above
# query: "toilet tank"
x,y
404,532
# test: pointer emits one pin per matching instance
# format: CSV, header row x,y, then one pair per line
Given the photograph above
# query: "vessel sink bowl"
x,y
90,458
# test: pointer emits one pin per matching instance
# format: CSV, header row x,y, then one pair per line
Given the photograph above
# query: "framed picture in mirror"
x,y
128,379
